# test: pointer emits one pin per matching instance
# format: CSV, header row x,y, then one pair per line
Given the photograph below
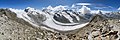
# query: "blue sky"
x,y
20,4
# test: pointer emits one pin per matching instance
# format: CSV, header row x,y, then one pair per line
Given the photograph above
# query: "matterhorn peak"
x,y
99,12
85,9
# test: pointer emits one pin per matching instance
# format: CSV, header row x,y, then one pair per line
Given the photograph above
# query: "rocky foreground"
x,y
99,28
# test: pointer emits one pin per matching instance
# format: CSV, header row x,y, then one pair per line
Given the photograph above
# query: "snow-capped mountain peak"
x,y
85,10
50,8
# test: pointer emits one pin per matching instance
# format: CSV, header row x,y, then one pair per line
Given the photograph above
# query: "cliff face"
x,y
13,28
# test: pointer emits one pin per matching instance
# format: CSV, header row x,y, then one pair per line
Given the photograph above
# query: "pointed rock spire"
x,y
99,12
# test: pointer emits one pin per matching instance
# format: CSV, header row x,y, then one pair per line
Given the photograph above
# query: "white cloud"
x,y
100,7
110,6
84,4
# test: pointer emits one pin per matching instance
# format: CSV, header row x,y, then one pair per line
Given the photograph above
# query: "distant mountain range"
x,y
61,18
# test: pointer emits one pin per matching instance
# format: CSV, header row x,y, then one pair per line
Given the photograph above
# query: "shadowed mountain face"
x,y
67,16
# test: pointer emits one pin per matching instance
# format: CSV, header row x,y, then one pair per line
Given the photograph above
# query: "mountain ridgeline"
x,y
60,18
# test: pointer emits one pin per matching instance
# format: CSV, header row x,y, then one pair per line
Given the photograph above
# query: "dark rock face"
x,y
61,19
26,10
58,16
